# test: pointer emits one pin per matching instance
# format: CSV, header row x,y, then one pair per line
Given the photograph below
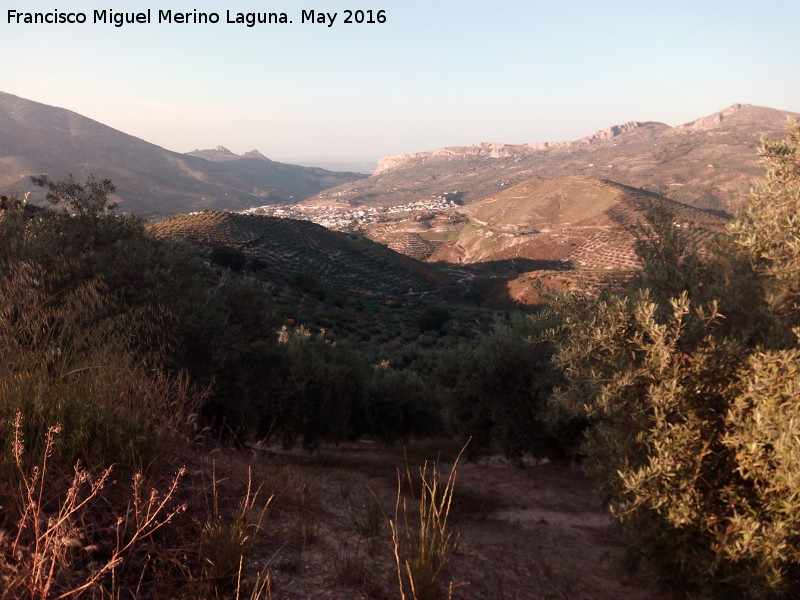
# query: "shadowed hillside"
x,y
287,248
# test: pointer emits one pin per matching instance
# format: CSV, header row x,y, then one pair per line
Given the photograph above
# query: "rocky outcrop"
x,y
498,150
481,150
609,133
712,121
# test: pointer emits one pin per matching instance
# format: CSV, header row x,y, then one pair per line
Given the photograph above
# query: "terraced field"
x,y
581,222
287,248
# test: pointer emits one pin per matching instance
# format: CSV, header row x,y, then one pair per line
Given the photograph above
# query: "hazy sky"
x,y
437,73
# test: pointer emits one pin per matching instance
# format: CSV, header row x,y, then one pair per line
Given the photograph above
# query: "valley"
x,y
325,371
558,230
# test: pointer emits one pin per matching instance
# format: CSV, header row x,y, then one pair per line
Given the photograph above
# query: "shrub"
x,y
433,318
423,543
498,385
397,404
61,362
319,384
88,199
230,258
40,559
693,411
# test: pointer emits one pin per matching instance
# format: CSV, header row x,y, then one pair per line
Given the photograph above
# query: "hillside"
x,y
576,223
36,138
308,254
709,163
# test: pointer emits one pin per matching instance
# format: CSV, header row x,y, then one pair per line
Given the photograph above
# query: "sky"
x,y
436,73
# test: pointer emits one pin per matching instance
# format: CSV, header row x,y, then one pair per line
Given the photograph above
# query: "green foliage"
x,y
398,404
766,232
168,312
498,386
309,284
668,256
88,199
62,363
319,383
433,318
691,396
228,257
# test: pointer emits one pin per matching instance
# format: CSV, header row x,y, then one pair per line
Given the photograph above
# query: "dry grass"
x,y
41,559
422,541
225,543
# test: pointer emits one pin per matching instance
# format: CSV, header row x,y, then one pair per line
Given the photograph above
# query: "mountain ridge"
x,y
564,223
710,163
499,149
36,138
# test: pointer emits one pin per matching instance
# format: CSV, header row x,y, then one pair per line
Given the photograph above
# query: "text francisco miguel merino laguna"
x,y
249,19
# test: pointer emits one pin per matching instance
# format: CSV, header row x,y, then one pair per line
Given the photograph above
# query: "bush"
x,y
498,386
398,404
230,258
317,388
62,363
433,318
693,411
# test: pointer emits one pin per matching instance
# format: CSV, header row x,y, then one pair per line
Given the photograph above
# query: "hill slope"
x,y
562,222
709,163
289,248
36,138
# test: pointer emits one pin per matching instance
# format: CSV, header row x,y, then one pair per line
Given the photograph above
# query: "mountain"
x,y
36,138
710,163
217,154
581,222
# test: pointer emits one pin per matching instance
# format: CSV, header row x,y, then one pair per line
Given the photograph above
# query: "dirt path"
x,y
547,538
537,533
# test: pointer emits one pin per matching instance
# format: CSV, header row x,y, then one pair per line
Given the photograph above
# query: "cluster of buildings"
x,y
349,217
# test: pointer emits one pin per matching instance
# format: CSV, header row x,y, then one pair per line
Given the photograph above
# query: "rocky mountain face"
x,y
498,150
710,163
36,138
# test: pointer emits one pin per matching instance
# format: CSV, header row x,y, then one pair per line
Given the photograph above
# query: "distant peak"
x,y
222,150
713,120
254,154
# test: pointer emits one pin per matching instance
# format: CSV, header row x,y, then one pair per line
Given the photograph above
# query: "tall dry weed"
x,y
42,558
422,540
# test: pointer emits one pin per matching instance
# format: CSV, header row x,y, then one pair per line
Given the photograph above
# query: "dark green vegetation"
x,y
36,138
308,255
291,332
676,386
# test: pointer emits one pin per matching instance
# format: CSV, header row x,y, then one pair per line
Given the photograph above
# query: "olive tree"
x,y
694,432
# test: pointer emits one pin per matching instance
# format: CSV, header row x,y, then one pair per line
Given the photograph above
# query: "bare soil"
x,y
534,532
